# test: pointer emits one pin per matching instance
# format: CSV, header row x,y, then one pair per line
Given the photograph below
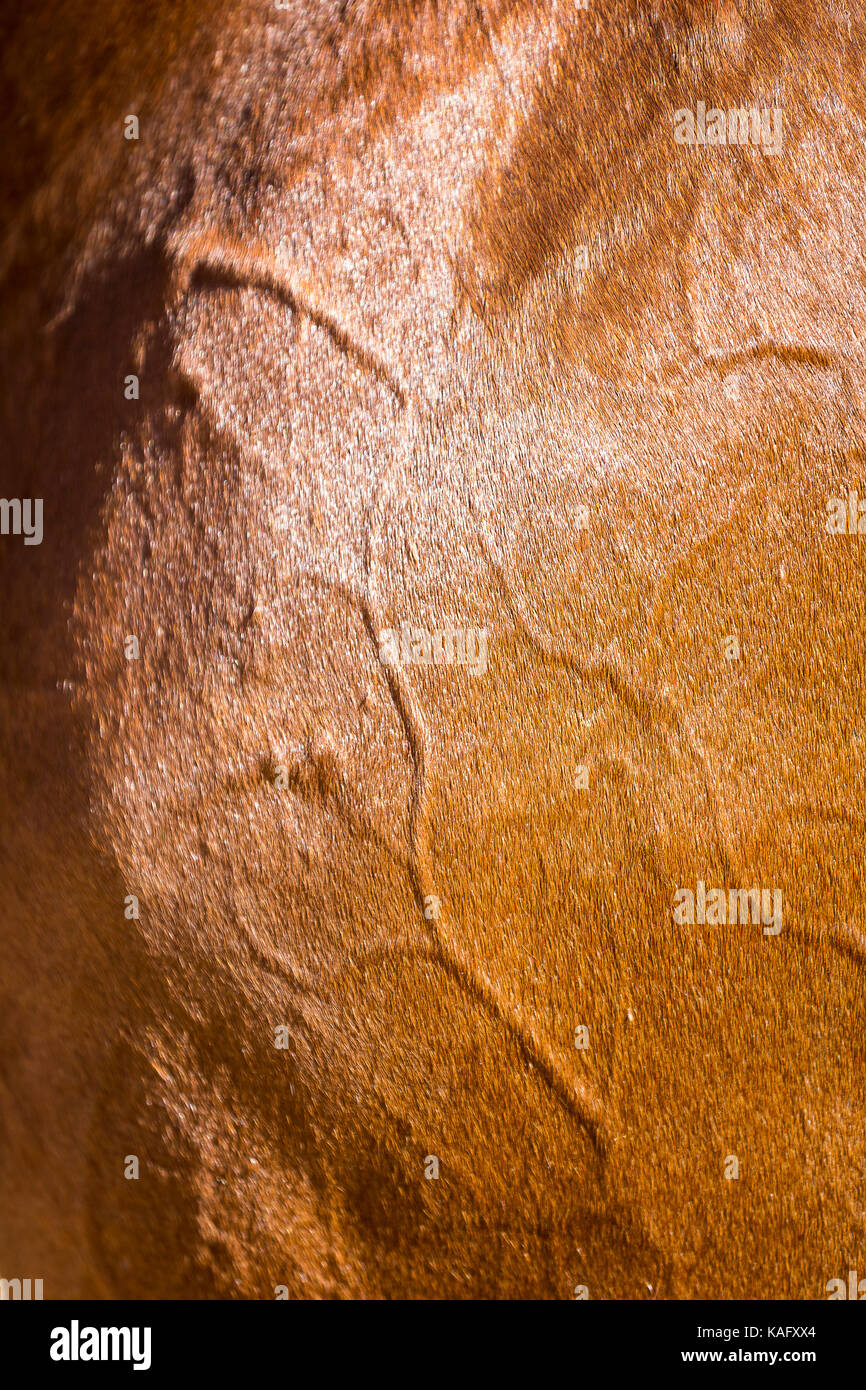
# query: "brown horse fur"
x,y
434,323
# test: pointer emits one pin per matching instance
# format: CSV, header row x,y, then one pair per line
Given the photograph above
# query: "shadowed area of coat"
x,y
435,329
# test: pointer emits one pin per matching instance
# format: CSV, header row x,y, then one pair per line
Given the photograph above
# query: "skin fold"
x,y
434,324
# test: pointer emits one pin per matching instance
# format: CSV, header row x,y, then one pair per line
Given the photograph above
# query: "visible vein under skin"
x,y
577,1097
208,260
599,668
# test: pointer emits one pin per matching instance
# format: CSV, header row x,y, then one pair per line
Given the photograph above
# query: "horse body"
x,y
436,328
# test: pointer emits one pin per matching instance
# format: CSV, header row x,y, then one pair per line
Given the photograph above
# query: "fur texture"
x,y
377,386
